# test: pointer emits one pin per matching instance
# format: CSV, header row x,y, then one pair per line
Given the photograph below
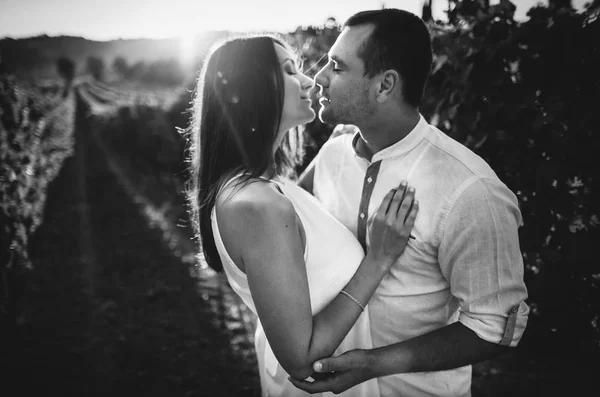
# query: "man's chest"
x,y
355,194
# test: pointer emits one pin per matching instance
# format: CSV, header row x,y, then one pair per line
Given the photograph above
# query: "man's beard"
x,y
350,115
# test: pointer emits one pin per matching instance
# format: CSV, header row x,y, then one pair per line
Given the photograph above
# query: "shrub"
x,y
522,96
35,139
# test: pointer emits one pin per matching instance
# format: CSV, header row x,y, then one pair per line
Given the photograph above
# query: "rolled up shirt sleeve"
x,y
479,255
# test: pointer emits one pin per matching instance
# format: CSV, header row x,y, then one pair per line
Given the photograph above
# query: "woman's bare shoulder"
x,y
253,215
253,198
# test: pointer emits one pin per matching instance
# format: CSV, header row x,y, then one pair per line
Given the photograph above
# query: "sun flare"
x,y
188,47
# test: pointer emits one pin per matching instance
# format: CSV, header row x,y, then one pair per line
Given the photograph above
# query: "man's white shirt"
x,y
465,262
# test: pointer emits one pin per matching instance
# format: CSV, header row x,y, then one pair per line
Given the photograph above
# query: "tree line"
x,y
167,72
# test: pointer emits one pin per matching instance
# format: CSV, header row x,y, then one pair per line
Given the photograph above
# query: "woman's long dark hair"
x,y
236,115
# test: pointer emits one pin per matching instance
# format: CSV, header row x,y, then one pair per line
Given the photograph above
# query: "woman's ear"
x,y
389,84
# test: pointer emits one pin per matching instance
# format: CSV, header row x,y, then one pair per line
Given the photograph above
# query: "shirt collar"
x,y
402,146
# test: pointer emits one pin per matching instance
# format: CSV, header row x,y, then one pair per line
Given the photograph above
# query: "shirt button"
x,y
369,180
362,215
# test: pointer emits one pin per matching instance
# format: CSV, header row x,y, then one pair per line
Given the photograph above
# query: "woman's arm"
x,y
264,231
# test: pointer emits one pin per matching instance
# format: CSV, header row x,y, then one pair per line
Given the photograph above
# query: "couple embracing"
x,y
393,264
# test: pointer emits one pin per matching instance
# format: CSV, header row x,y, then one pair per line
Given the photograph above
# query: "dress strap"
x,y
274,181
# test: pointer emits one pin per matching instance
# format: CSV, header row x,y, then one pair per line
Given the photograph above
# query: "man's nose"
x,y
321,78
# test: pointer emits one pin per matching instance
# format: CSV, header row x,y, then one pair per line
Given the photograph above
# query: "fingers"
x,y
397,210
341,373
319,377
315,387
385,203
396,201
329,364
406,205
352,359
336,383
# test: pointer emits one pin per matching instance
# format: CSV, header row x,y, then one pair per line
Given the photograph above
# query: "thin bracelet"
x,y
353,299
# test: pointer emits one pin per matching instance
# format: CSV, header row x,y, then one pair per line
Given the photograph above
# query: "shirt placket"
x,y
363,209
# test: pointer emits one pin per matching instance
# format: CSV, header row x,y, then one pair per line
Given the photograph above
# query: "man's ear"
x,y
389,85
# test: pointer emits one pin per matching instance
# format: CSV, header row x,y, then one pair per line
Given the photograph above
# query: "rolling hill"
x,y
34,58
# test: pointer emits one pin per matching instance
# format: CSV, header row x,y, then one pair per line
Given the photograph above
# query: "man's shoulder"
x,y
455,157
342,142
335,148
449,169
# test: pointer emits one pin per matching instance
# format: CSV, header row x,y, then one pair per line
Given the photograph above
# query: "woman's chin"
x,y
311,117
301,121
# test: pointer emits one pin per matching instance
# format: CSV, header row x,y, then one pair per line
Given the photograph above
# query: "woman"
x,y
294,265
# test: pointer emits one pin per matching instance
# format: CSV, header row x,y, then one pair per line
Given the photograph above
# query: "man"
x,y
456,295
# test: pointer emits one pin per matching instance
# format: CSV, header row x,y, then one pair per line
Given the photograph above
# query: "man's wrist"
x,y
370,364
389,360
375,363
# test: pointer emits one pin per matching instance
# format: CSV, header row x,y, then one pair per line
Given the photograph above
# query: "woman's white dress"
x,y
332,255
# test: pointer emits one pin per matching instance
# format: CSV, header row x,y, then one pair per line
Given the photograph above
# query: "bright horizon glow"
x,y
188,47
114,19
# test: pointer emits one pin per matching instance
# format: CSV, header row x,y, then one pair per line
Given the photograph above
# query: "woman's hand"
x,y
389,228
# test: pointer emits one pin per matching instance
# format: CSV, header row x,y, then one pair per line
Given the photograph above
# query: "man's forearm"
x,y
449,347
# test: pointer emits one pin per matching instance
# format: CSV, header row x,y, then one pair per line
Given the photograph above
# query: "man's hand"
x,y
341,372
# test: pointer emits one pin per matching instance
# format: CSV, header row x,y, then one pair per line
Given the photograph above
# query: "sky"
x,y
112,19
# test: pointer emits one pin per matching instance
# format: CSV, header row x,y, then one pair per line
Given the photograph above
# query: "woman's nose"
x,y
308,83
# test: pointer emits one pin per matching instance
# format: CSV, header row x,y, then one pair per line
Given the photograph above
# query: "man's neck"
x,y
385,132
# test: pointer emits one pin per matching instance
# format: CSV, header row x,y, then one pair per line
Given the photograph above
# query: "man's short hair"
x,y
400,40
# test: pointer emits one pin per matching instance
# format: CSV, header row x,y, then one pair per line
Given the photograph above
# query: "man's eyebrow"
x,y
289,59
337,60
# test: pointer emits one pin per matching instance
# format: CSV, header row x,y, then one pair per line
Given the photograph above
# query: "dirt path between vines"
x,y
109,309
